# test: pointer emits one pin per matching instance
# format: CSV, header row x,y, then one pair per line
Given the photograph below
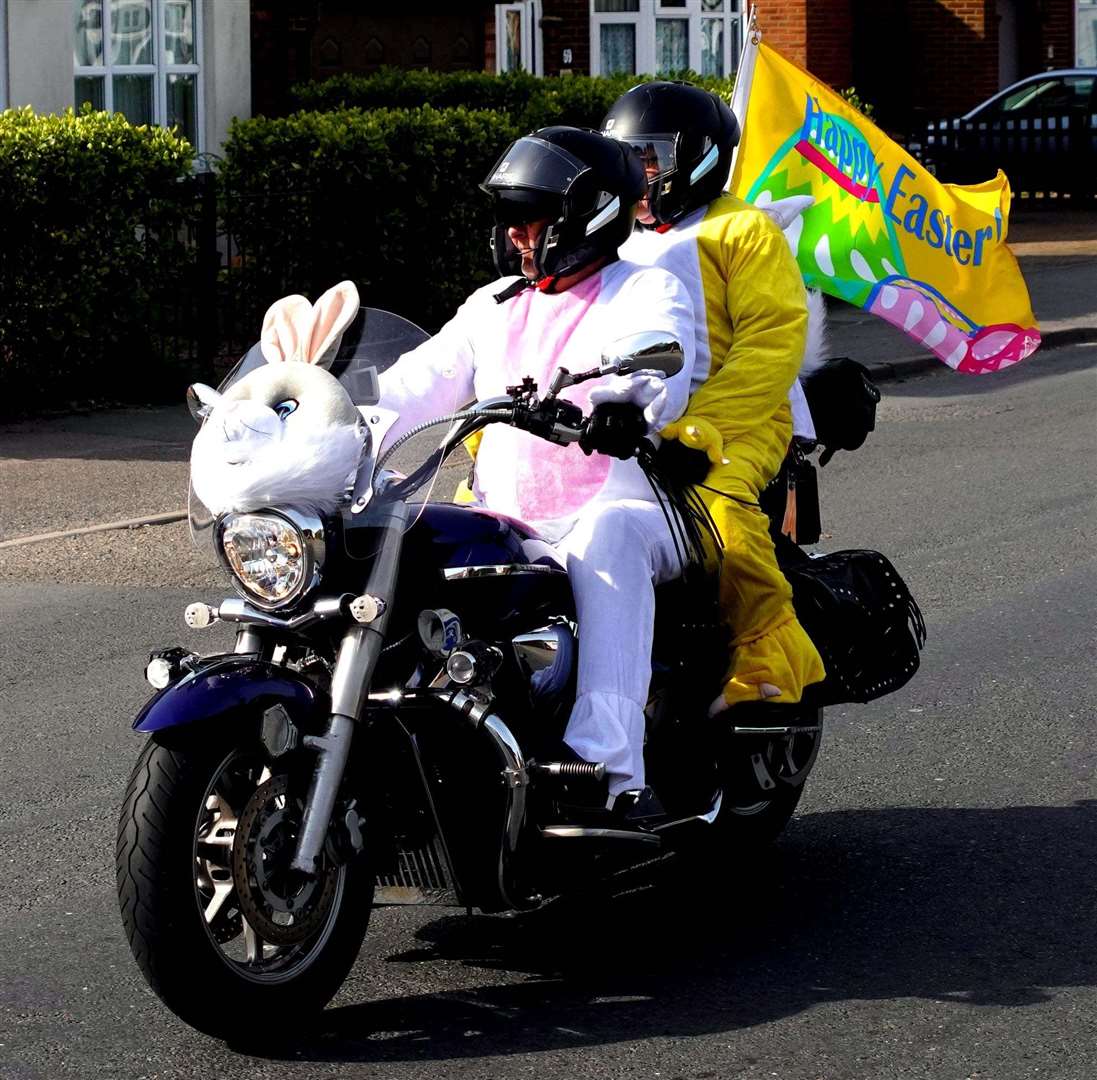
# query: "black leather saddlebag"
x,y
859,613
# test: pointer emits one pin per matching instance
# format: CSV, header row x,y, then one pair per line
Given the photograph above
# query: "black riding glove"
x,y
614,428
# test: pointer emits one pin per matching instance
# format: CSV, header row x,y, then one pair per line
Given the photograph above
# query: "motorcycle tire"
x,y
171,935
763,782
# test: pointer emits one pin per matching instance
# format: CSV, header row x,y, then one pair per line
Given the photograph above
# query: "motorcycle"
x,y
388,726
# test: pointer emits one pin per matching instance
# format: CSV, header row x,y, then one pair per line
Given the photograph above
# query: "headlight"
x,y
275,559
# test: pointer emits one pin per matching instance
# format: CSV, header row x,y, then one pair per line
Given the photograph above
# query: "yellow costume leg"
x,y
768,643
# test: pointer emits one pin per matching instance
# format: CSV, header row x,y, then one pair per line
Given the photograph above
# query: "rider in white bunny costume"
x,y
564,200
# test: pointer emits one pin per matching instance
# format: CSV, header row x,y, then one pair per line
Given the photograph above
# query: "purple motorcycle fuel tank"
x,y
495,573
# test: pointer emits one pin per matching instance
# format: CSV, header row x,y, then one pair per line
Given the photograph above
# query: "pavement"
x,y
125,469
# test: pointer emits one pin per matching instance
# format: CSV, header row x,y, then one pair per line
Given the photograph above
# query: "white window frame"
x,y
1080,7
531,58
644,22
3,54
160,70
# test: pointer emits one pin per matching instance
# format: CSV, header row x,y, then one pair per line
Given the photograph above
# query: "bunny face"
x,y
287,433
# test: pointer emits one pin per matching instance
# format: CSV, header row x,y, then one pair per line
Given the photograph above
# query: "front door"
x,y
518,37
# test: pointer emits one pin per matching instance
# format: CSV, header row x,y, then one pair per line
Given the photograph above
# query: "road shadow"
x,y
983,907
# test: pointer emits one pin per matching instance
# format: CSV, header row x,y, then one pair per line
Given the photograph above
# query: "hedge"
x,y
90,245
388,198
530,102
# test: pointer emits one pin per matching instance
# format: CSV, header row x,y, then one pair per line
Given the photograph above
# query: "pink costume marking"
x,y
550,485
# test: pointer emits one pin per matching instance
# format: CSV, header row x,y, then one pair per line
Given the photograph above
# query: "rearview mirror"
x,y
651,350
201,400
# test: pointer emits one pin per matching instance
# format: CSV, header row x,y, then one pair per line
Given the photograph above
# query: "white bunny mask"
x,y
286,434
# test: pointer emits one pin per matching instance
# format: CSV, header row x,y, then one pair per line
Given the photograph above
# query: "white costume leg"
x,y
617,552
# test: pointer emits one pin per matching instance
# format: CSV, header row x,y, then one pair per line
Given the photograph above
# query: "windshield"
x,y
374,341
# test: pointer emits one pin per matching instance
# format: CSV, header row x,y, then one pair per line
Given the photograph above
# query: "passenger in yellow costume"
x,y
746,403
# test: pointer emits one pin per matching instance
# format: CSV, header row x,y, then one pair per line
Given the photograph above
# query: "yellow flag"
x,y
883,233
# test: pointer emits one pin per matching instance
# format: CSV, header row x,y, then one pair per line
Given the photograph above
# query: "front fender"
x,y
226,684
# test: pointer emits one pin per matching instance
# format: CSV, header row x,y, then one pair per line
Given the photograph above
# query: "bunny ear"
x,y
287,327
332,314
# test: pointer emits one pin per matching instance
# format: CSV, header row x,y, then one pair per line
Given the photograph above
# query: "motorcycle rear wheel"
x,y
183,913
762,784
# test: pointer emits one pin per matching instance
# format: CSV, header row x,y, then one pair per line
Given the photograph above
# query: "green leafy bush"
x,y
850,96
530,102
90,246
379,183
389,199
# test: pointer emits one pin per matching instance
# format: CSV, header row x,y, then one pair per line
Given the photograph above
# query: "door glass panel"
x,y
712,47
133,97
712,5
617,48
616,5
735,46
131,32
88,46
512,56
183,106
89,88
179,31
671,45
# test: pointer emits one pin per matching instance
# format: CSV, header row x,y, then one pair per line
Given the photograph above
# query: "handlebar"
x,y
553,419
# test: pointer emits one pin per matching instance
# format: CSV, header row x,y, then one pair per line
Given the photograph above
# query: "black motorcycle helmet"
x,y
588,186
687,133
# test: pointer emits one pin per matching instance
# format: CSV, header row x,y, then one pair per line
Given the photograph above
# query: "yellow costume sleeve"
x,y
757,318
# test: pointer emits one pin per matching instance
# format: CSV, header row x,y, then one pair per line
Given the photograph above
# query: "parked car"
x,y
1042,131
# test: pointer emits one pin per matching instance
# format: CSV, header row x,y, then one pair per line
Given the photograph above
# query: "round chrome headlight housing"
x,y
274,557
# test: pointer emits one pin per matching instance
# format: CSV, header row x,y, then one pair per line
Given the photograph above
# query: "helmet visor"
x,y
535,165
656,152
520,206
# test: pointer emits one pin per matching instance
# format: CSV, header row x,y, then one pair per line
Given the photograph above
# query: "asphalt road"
x,y
931,911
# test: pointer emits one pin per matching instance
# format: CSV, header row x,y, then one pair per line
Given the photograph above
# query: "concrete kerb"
x,y
107,526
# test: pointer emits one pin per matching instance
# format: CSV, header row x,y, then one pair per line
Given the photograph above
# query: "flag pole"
x,y
744,76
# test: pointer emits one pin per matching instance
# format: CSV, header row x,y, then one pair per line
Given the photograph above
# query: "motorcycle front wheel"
x,y
226,935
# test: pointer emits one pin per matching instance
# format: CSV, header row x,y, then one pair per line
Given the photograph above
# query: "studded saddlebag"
x,y
859,613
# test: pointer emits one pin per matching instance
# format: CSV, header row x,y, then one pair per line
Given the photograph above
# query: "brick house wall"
x,y
565,24
941,57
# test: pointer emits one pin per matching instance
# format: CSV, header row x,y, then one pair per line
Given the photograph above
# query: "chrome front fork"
x,y
354,668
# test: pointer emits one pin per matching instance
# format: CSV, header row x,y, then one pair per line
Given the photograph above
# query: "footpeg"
x,y
569,770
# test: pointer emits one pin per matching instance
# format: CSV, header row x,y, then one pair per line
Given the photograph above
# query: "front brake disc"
x,y
282,906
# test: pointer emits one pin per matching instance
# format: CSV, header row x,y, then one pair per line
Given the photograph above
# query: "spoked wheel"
x,y
224,931
763,779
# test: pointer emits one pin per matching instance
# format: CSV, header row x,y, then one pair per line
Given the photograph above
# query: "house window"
x,y
664,36
140,58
